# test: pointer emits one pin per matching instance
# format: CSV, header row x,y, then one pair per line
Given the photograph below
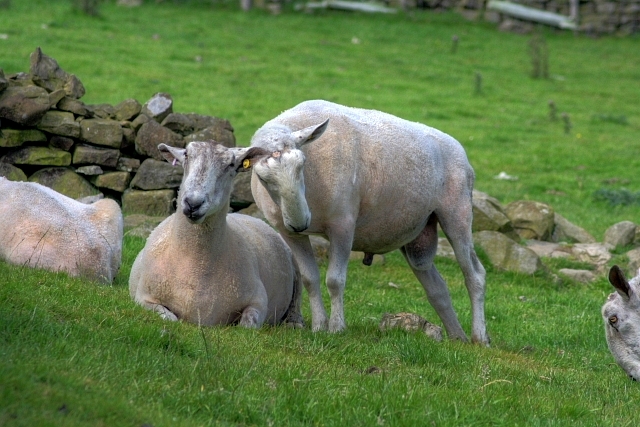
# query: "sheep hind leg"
x,y
163,311
420,254
457,226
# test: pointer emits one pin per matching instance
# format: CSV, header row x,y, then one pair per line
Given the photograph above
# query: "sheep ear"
x,y
246,159
617,279
306,135
172,155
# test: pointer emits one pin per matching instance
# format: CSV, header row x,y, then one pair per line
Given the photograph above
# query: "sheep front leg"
x,y
251,317
340,243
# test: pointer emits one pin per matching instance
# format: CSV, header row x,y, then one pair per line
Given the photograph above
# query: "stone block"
x,y
152,203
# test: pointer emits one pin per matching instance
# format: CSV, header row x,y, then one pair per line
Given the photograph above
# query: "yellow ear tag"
x,y
246,163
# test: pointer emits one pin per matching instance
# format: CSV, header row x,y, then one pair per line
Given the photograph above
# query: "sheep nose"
x,y
191,205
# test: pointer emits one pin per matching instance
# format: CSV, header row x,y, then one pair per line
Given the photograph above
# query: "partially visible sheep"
x,y
621,314
210,268
42,228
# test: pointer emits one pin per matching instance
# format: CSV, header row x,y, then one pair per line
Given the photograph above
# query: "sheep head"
x,y
621,315
282,172
209,169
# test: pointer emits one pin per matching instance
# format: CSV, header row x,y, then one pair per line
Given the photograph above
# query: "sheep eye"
x,y
613,320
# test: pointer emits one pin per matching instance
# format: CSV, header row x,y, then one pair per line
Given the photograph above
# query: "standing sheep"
x,y
42,228
621,315
372,183
210,268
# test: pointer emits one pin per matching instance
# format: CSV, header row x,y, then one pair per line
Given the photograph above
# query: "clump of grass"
x,y
619,119
539,56
619,197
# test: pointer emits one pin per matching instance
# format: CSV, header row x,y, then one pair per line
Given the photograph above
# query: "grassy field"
x,y
74,354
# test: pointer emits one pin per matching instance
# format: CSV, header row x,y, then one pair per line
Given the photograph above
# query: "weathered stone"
x,y
596,254
153,203
155,175
634,261
116,181
59,123
549,249
218,133
201,122
127,164
24,105
531,220
241,196
158,107
488,214
151,134
35,155
17,137
141,225
11,172
137,123
412,323
128,138
102,111
179,123
580,276
65,181
505,254
90,170
87,154
3,81
254,211
101,132
74,106
445,249
127,109
61,142
620,234
565,231
56,96
48,74
20,80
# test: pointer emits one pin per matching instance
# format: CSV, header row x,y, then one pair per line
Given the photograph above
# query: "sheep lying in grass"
x,y
621,314
210,268
373,183
42,228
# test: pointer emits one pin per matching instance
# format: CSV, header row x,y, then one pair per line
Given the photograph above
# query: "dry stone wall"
x,y
48,135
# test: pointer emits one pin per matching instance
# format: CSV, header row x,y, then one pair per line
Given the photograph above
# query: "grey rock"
x,y
116,181
88,154
102,111
153,203
151,134
17,137
56,96
65,181
127,109
101,132
74,106
61,142
218,133
155,175
620,234
90,170
11,172
59,123
127,164
410,322
158,107
137,123
24,105
549,249
445,249
634,261
488,214
3,81
505,254
597,254
530,219
241,196
565,231
179,123
35,155
47,73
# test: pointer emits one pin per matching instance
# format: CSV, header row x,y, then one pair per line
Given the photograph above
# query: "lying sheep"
x,y
210,268
621,314
42,228
373,183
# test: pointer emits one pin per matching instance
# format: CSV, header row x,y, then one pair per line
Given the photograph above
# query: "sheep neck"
x,y
208,233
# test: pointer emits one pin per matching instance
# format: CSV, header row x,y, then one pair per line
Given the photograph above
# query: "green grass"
x,y
72,353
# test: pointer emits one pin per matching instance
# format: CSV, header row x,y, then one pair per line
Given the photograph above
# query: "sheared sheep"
x,y
621,315
42,228
372,183
208,267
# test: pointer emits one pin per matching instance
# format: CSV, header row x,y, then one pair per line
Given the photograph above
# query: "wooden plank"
x,y
350,5
531,14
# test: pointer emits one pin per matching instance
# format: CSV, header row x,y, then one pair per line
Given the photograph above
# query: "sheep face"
x,y
282,173
209,169
621,315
